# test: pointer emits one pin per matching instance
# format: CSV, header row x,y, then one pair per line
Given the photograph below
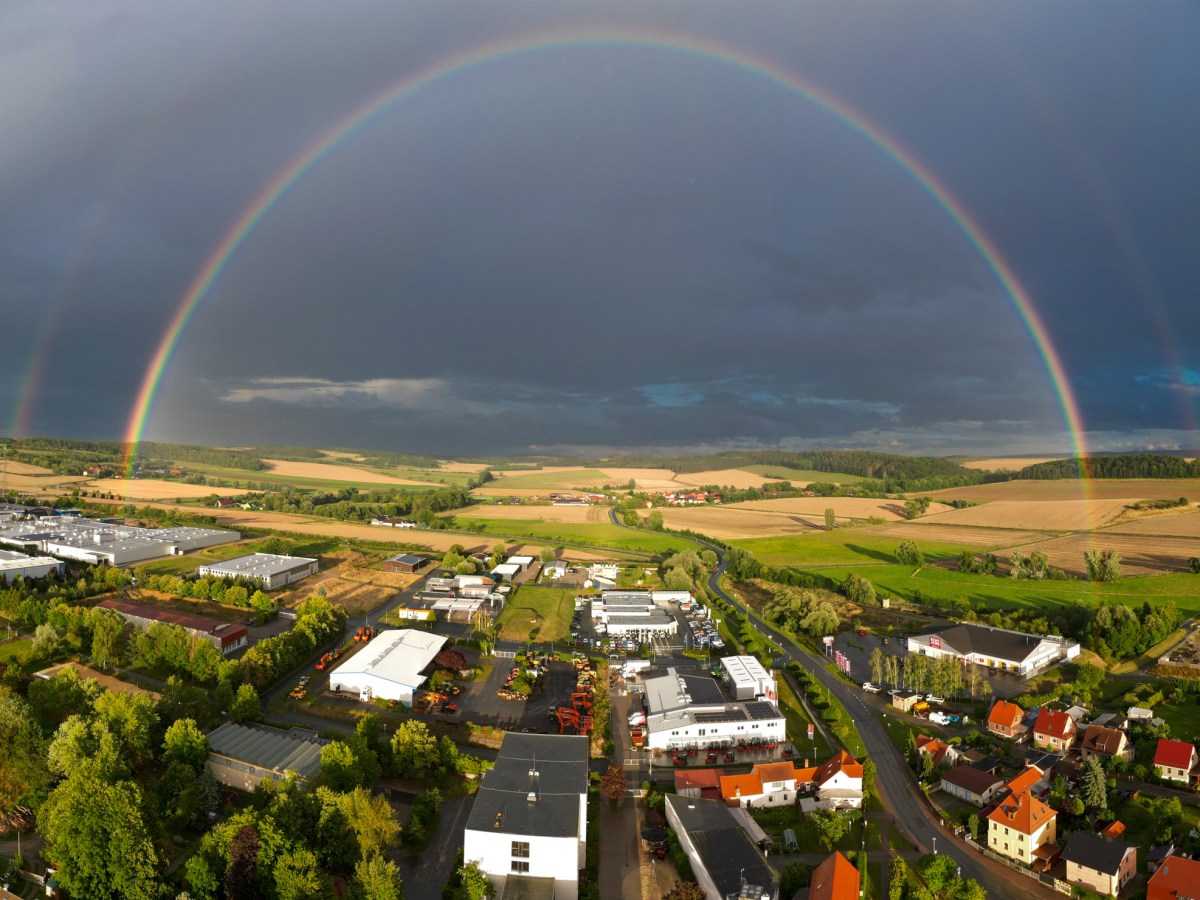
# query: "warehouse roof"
x,y
258,565
536,787
966,638
269,748
724,848
408,559
398,656
226,630
744,670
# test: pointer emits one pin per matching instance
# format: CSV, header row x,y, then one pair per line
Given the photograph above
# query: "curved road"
x,y
894,781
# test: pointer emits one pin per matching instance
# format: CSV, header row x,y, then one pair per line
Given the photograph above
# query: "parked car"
x,y
870,688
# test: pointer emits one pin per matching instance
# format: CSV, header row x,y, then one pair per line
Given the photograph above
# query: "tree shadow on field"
x,y
872,554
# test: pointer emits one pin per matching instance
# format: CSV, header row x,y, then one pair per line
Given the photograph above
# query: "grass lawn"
x,y
898,731
537,613
10,650
775,821
797,725
593,534
1183,718
1140,821
990,592
840,548
783,473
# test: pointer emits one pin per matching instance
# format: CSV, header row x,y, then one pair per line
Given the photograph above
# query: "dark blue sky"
x,y
602,246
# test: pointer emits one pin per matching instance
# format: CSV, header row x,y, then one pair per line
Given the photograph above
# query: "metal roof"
x,y
257,565
724,848
536,787
269,748
397,655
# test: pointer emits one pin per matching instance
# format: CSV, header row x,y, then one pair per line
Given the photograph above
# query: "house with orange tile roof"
x,y
834,879
1023,828
1176,761
1054,730
767,784
1006,720
1034,779
838,782
1176,878
938,749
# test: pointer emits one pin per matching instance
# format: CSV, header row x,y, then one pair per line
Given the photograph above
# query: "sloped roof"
x,y
1175,754
1055,723
775,771
735,786
971,779
1026,780
834,879
841,762
1175,878
550,768
697,778
934,747
268,748
1005,714
1099,739
1093,852
1023,812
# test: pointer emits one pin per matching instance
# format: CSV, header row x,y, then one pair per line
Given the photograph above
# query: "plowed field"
x,y
1049,515
728,523
959,534
1186,525
1140,554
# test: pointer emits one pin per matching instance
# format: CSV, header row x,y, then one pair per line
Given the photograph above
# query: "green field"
x,y
783,473
553,480
592,534
990,592
436,477
300,546
10,650
239,478
840,548
537,613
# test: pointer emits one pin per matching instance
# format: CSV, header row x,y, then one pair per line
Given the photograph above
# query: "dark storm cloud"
x,y
602,247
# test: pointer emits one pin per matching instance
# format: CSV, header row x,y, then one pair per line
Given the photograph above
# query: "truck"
x,y
870,688
921,710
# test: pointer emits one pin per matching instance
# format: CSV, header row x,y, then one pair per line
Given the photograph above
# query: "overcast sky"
x,y
598,246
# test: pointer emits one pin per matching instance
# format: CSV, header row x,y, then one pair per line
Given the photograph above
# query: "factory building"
x,y
390,667
225,636
106,543
690,711
241,756
748,680
996,648
14,564
270,570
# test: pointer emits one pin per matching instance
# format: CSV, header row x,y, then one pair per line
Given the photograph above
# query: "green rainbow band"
x,y
502,50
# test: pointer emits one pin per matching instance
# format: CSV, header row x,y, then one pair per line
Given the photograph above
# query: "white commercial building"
x,y
18,564
642,626
390,666
506,571
106,543
522,562
690,711
527,830
996,648
269,569
748,680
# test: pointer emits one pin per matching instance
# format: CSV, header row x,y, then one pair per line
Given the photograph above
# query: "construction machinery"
x,y
324,662
365,633
299,692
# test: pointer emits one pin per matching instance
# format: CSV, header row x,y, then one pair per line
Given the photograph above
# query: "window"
x,y
520,866
521,849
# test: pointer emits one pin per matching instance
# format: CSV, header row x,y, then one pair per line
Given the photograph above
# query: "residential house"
x,y
1105,867
1175,761
767,784
1105,742
838,782
1054,730
971,784
938,749
1175,879
834,879
1006,720
704,783
1034,779
1023,828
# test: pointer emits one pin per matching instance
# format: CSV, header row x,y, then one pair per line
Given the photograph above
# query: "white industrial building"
x,y
690,711
748,680
528,826
506,571
996,648
522,562
390,667
107,543
271,570
14,564
657,623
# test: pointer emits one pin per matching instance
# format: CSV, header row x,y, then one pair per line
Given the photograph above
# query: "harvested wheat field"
x,y
1075,489
151,489
52,484
646,479
1007,463
465,468
1186,524
960,534
1140,554
736,478
545,470
332,472
490,490
342,454
843,507
1042,515
12,467
573,514
729,523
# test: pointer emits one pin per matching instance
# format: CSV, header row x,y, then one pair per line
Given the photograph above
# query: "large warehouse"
x,y
13,564
270,570
105,543
691,711
225,636
747,679
391,666
243,755
997,648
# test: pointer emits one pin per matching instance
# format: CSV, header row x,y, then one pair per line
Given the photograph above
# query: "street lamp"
x,y
935,845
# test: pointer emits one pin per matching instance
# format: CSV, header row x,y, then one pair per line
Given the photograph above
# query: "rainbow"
x,y
503,50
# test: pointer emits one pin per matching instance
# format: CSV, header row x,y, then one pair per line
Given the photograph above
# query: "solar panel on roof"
x,y
760,709
733,714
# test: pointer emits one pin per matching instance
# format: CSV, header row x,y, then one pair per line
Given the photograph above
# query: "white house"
x,y
685,711
528,827
838,782
390,666
767,784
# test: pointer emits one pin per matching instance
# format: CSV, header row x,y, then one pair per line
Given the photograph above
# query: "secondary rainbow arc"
x,y
499,51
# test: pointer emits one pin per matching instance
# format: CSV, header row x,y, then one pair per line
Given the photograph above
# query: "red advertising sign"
x,y
935,642
810,731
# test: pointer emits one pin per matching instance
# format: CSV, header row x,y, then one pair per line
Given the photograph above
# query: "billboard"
x,y
935,642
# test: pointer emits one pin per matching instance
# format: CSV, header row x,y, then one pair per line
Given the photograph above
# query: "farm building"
x,y
406,563
521,562
391,666
270,570
725,862
997,648
13,564
528,826
685,711
747,678
506,571
243,755
106,543
225,636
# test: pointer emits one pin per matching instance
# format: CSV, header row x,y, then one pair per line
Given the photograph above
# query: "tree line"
x,y
1134,465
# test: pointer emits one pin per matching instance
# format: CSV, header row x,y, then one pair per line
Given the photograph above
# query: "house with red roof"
x,y
1006,720
1034,779
1054,730
767,784
838,782
1176,761
834,879
1024,829
702,783
1176,878
938,749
